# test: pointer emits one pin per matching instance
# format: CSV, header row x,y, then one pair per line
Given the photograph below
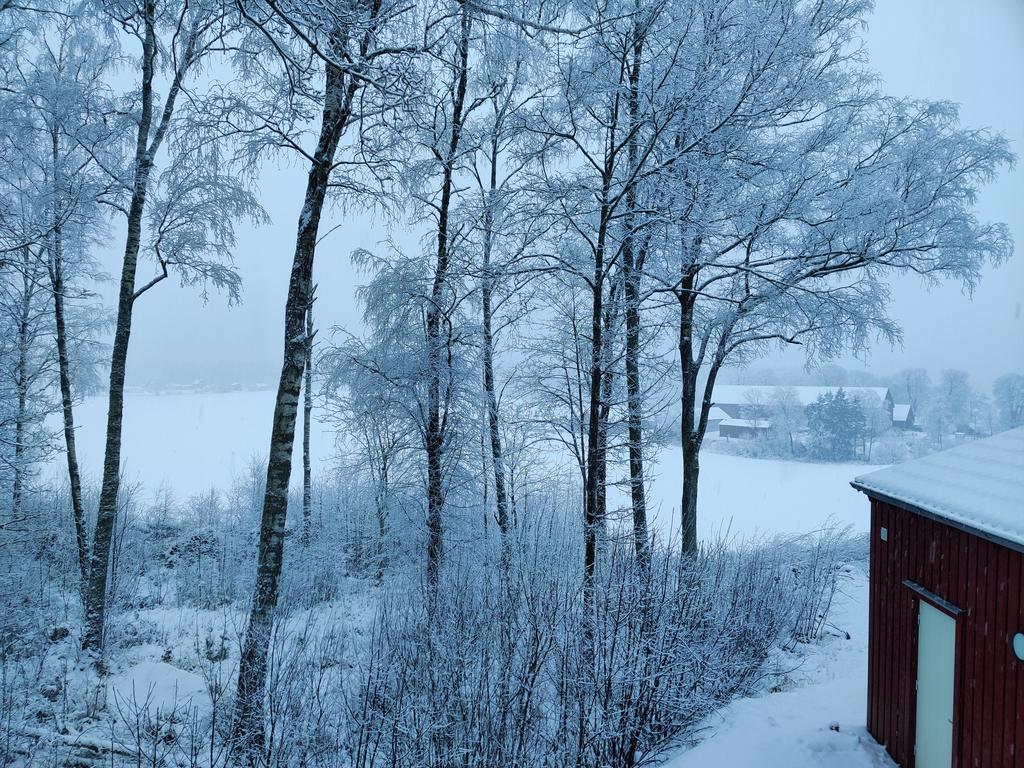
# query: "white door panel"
x,y
936,661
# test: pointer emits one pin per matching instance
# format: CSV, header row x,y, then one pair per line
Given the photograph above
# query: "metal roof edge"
x,y
938,517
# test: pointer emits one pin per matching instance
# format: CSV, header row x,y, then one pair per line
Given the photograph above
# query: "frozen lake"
x,y
193,442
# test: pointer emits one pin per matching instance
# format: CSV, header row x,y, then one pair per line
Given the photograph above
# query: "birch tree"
x,y
27,373
505,229
50,96
182,212
808,262
444,143
305,60
612,101
67,101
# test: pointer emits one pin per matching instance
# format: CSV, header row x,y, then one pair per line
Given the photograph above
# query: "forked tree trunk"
x,y
693,422
247,729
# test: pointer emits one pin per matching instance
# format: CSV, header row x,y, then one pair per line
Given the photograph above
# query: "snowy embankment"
x,y
812,716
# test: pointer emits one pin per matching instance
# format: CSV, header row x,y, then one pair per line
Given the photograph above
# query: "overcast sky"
x,y
971,53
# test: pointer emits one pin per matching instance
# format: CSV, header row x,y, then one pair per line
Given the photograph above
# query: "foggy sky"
x,y
970,53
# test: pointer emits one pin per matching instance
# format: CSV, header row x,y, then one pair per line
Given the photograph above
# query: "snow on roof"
x,y
978,486
714,414
742,394
749,423
901,412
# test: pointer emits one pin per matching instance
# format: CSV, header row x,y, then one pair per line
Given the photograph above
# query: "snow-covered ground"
x,y
192,442
745,497
813,717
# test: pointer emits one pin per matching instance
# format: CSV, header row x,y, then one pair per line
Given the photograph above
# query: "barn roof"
x,y
978,486
900,412
714,414
742,394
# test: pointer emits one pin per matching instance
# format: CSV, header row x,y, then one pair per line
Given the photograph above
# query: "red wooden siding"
x,y
983,579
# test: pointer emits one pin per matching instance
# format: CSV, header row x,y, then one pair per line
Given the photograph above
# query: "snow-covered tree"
x,y
1008,394
171,182
837,425
332,66
803,194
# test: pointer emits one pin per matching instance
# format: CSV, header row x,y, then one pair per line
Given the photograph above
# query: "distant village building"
x,y
715,417
946,616
746,428
747,401
903,416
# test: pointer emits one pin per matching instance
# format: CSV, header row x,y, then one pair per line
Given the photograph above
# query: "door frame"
x,y
921,594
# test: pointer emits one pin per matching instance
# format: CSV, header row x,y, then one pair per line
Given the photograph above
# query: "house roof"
x,y
978,486
901,412
742,394
747,423
714,414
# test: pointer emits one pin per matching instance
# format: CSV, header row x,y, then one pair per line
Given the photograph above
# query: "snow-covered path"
x,y
793,728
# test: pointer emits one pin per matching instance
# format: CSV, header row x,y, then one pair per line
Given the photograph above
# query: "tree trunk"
x,y
593,495
634,406
632,264
382,517
436,346
21,377
688,372
693,424
99,562
252,668
307,417
145,150
67,404
611,321
493,422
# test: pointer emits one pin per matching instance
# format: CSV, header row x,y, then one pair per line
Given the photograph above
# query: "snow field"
x,y
197,441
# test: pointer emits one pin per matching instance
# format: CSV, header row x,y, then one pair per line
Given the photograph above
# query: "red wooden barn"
x,y
946,617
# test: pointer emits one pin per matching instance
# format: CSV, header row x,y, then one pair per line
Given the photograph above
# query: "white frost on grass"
x,y
197,441
157,687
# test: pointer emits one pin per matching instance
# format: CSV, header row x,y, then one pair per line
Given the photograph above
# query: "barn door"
x,y
936,660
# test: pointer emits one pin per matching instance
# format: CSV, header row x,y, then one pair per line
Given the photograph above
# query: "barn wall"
x,y
982,578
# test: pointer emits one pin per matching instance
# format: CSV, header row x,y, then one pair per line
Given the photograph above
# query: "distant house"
x,y
745,428
903,416
946,615
715,417
746,401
